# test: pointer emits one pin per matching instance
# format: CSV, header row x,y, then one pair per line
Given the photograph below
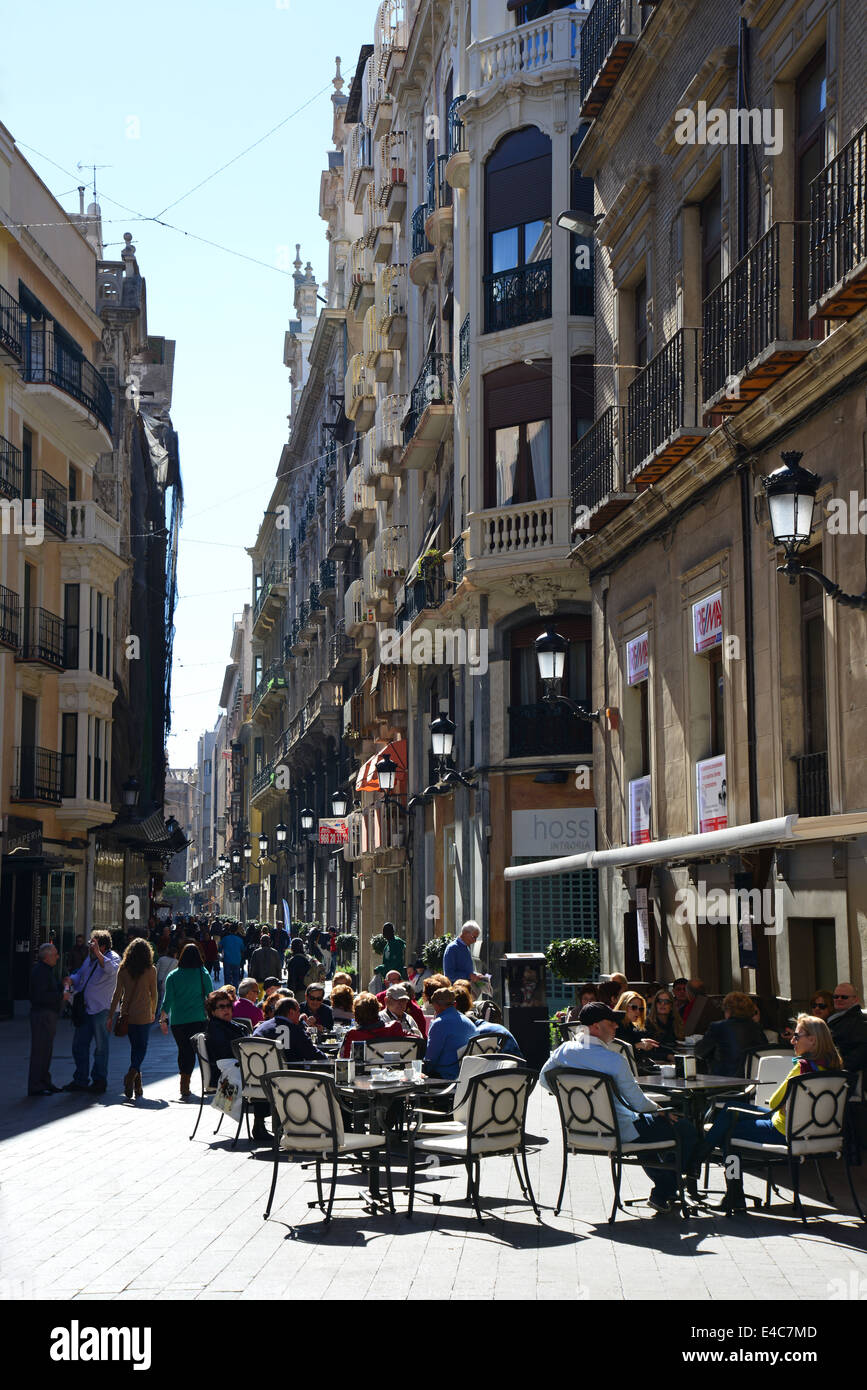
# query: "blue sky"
x,y
203,79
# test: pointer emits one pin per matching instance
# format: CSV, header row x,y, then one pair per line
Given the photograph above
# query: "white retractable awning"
x,y
784,830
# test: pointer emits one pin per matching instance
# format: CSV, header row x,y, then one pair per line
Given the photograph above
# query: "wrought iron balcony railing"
x,y
459,560
424,592
327,575
439,190
609,31
813,797
12,325
544,730
42,637
48,360
10,469
457,134
54,496
433,387
594,463
37,775
10,618
663,398
420,244
741,317
521,295
838,219
262,779
464,352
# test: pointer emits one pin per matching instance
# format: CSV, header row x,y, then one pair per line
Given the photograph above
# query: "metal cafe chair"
x,y
589,1126
255,1056
768,1066
452,1118
210,1079
409,1049
496,1109
484,1043
618,1045
306,1118
815,1116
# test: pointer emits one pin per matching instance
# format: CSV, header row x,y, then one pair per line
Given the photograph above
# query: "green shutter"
x,y
554,909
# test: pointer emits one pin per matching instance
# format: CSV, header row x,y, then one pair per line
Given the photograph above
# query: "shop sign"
x,y
638,659
564,830
639,811
707,623
23,837
333,830
711,794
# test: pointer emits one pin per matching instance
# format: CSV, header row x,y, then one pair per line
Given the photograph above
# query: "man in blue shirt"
x,y
458,958
96,980
590,1052
233,952
448,1035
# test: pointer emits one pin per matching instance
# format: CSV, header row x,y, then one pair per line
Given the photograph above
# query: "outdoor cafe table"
x,y
376,1099
694,1092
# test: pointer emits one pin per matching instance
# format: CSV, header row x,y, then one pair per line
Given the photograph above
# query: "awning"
x,y
786,830
367,780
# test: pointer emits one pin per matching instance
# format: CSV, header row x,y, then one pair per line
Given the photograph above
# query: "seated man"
x,y
397,1008
590,1053
246,1005
849,1028
287,1029
447,1036
412,1012
318,1013
368,1024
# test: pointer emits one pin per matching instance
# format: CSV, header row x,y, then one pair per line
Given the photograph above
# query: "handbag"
x,y
78,1008
227,1097
121,1027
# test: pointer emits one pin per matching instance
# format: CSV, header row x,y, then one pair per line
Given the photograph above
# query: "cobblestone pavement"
x,y
103,1199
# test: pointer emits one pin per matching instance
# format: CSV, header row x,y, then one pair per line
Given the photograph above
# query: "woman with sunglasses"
x,y
822,1004
665,1025
633,1028
221,1031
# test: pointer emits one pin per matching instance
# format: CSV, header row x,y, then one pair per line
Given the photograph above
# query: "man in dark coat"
x,y
265,960
46,1001
849,1028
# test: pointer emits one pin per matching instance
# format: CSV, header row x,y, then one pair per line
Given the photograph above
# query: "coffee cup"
x,y
668,1071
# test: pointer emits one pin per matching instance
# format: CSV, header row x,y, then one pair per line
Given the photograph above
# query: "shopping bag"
x,y
227,1097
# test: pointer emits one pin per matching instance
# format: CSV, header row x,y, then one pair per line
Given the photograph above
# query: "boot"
x,y
137,1083
185,1085
128,1083
260,1132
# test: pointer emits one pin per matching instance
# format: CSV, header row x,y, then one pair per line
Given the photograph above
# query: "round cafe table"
x,y
692,1094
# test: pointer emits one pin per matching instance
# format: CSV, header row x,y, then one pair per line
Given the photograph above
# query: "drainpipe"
x,y
744,477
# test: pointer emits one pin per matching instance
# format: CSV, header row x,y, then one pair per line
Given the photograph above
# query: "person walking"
x,y
184,1009
95,982
233,954
211,952
394,953
135,998
167,962
46,1001
265,960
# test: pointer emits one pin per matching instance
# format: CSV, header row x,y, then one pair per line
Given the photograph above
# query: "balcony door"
x,y
518,230
810,105
518,435
29,727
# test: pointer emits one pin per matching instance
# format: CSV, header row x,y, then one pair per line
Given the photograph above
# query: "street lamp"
x,y
248,850
339,804
131,789
236,858
579,223
551,651
171,826
281,834
263,846
386,770
791,493
307,818
442,736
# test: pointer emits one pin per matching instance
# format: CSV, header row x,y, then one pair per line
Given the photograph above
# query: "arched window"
x,y
518,230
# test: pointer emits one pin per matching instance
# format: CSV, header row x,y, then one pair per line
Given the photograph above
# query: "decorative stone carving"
x,y
543,592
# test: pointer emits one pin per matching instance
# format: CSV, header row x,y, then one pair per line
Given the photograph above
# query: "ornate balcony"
x,y
269,691
360,393
611,31
464,348
528,531
378,230
391,306
422,266
10,470
749,325
458,162
10,618
390,552
270,598
374,469
362,278
546,47
430,412
360,164
391,34
665,410
359,503
54,496
37,775
13,322
379,106
263,782
598,482
328,582
388,438
41,638
518,296
340,537
424,594
374,593
88,524
393,167
358,613
838,233
459,560
439,222
377,357
74,394
342,652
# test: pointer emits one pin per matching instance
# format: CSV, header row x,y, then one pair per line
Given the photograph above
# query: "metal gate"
x,y
554,909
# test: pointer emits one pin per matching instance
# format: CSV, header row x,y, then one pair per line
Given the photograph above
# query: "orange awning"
x,y
367,780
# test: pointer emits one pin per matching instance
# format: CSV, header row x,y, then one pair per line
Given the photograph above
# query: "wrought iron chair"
x,y
496,1109
618,1045
815,1116
306,1119
426,1122
483,1044
409,1049
255,1056
588,1121
210,1079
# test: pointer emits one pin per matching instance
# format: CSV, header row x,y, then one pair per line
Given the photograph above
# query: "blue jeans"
x,y
758,1127
658,1127
231,974
139,1035
92,1030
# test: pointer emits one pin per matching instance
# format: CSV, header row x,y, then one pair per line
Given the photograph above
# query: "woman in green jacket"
x,y
184,1008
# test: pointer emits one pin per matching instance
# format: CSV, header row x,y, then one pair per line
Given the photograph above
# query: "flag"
x,y
287,919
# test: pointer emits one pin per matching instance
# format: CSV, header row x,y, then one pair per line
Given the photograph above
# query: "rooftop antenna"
x,y
94,167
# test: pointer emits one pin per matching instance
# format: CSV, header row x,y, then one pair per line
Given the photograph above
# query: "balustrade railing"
x,y
838,217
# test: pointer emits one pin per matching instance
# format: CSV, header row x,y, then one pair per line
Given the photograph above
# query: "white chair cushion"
x,y
458,1145
603,1143
448,1127
321,1144
253,1093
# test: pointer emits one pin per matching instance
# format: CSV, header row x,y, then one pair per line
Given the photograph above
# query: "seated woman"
x,y
587,994
814,1052
368,1027
665,1025
221,1031
341,1004
772,1037
723,1049
821,1004
429,989
633,1028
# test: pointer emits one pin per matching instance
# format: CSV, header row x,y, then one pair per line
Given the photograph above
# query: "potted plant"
x,y
347,945
430,561
433,951
378,943
574,959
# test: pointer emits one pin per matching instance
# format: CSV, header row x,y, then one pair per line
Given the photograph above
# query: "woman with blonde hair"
x,y
724,1047
814,1052
633,1030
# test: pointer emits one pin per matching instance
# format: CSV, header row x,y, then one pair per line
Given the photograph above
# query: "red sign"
x,y
333,830
637,659
707,622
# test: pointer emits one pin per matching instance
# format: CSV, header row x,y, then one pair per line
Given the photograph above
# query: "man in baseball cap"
x,y
396,1009
591,1052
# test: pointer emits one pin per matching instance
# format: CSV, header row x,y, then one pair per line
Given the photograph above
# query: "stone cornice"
x,y
636,191
707,85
